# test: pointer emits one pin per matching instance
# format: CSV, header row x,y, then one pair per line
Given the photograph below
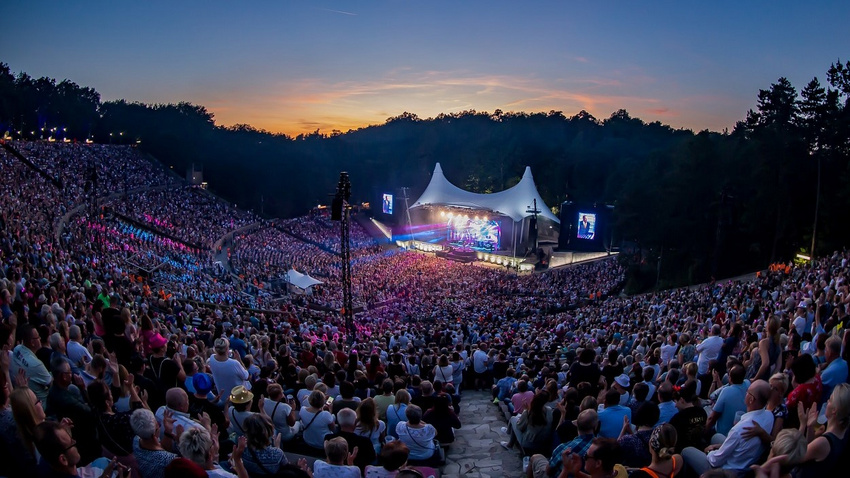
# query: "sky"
x,y
291,66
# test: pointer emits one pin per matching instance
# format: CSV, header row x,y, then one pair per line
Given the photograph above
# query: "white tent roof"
x,y
302,281
513,202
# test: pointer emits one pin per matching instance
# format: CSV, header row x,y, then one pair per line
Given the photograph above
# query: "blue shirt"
x,y
835,373
667,410
579,445
730,401
611,420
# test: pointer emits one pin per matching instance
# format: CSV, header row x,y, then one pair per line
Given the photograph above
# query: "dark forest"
x,y
708,204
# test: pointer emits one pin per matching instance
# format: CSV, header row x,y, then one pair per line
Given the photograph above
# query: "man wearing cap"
x,y
199,403
621,385
611,417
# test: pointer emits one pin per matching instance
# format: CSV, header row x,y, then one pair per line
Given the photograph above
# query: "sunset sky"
x,y
295,66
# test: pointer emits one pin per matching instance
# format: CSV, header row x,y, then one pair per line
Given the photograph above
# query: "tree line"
x,y
695,205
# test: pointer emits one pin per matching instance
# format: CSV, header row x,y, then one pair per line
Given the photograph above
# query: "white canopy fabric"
x,y
302,281
513,202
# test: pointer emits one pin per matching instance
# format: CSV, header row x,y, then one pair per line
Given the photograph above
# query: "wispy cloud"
x,y
341,12
296,106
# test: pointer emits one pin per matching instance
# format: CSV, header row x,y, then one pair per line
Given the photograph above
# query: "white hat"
x,y
623,380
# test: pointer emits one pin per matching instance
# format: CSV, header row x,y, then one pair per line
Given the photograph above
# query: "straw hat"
x,y
240,394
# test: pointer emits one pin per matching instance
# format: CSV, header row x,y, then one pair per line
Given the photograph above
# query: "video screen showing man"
x,y
387,204
586,226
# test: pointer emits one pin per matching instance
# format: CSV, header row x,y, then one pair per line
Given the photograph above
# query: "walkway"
x,y
476,452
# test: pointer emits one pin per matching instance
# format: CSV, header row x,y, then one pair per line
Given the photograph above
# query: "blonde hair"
x,y
23,411
791,443
841,404
782,380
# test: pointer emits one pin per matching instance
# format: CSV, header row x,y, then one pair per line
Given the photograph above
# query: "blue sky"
x,y
295,66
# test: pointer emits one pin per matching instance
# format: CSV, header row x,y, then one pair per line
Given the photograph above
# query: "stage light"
x,y
476,218
442,213
450,215
485,218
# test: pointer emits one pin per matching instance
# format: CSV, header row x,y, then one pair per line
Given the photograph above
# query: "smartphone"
x,y
329,401
290,398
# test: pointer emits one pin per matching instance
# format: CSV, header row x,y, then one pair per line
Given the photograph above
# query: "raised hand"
x,y
770,468
21,379
352,456
205,420
167,421
812,415
239,449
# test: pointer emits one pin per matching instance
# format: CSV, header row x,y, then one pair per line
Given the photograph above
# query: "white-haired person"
x,y
227,369
339,464
201,447
151,454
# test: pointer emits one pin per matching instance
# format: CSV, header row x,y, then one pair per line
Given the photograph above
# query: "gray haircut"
x,y
54,340
195,445
143,423
414,414
75,333
346,417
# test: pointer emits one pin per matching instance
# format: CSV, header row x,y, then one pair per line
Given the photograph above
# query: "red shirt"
x,y
807,393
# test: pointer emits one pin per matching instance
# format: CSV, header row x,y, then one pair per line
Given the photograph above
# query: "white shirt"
x,y
737,453
180,418
228,374
709,349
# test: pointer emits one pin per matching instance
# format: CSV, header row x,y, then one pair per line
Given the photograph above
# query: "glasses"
x,y
72,445
588,456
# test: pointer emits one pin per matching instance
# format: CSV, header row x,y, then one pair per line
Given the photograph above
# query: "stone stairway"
x,y
476,452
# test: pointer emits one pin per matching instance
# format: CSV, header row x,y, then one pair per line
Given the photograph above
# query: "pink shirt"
x,y
521,400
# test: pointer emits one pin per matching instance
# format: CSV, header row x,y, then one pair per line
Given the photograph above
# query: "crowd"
x,y
191,214
126,352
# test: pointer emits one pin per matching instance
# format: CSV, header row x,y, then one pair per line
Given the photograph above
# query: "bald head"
x,y
758,394
176,399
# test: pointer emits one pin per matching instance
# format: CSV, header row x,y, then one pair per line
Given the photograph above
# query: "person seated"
x,y
347,421
662,447
281,412
393,457
151,454
200,447
635,444
419,437
729,403
735,452
611,417
316,420
443,418
541,467
339,462
262,455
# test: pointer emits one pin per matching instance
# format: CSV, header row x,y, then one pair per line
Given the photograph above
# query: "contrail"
x,y
339,11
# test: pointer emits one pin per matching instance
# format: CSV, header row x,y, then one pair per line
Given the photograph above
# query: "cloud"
x,y
304,104
341,12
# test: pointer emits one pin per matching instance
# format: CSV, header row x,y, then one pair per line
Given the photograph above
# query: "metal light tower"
x,y
341,211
